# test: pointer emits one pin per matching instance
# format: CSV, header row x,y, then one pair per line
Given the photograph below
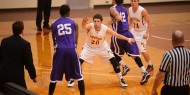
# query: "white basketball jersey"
x,y
96,38
138,21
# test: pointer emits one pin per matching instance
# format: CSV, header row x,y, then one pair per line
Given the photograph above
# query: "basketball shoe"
x,y
71,83
150,68
145,78
122,83
125,70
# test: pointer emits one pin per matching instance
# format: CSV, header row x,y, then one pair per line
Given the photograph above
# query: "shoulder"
x,y
104,26
141,8
113,8
25,41
130,8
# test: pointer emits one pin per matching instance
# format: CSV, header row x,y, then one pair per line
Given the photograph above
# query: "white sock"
x,y
149,63
143,69
122,63
119,75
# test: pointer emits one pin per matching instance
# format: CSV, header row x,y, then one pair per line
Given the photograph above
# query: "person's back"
x,y
179,58
64,32
65,58
12,52
16,54
174,69
122,25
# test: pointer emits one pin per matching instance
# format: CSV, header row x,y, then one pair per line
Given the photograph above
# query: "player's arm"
x,y
113,33
158,80
115,14
85,24
76,33
53,35
147,18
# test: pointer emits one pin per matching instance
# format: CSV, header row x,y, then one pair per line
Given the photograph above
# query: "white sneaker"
x,y
71,83
122,83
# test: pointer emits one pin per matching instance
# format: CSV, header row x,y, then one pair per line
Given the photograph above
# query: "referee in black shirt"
x,y
174,69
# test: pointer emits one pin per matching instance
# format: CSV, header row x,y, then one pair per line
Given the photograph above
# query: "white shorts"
x,y
141,43
88,53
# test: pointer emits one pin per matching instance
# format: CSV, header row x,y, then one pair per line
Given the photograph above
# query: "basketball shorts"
x,y
88,53
141,43
120,47
66,61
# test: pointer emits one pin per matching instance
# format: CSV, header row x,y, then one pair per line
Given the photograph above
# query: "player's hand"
x,y
85,20
154,92
146,36
130,40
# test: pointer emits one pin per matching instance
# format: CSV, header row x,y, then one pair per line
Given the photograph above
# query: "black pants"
x,y
43,11
170,90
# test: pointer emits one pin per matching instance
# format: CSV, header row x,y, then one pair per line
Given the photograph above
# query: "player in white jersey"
x,y
140,24
97,45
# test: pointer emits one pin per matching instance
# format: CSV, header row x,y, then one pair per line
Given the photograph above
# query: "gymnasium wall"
x,y
10,4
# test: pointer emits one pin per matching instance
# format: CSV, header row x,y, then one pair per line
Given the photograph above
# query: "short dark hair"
x,y
118,1
177,37
64,9
18,27
98,16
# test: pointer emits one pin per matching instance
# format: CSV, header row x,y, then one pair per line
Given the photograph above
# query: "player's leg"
x,y
116,68
126,69
71,82
75,72
105,52
141,43
117,49
145,74
133,51
81,87
147,59
52,86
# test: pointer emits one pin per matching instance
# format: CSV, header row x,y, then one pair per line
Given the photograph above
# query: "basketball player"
x,y
140,23
97,45
65,59
119,20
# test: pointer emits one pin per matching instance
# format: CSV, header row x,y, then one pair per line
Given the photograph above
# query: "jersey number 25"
x,y
64,29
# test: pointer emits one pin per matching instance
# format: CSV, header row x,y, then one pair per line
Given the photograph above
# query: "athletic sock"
x,y
81,87
119,75
143,69
51,88
122,63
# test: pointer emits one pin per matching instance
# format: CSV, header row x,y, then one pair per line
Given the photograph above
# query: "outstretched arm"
x,y
85,24
113,33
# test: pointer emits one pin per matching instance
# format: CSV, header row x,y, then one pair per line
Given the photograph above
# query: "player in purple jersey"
x,y
119,21
65,59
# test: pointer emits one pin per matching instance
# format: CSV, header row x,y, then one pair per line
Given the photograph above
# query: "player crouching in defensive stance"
x,y
97,45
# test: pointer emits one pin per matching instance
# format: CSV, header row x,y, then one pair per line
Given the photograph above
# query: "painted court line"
x,y
165,38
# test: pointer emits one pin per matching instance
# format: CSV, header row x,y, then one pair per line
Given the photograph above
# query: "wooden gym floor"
x,y
99,77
